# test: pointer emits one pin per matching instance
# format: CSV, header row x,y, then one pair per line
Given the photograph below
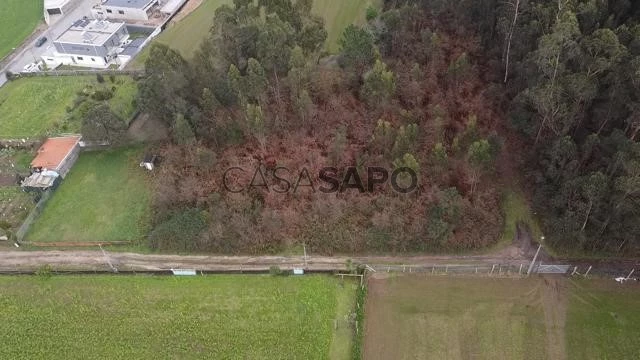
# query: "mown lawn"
x,y
143,317
105,197
603,320
186,35
18,19
37,106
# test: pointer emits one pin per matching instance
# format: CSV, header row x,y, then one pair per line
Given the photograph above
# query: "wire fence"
x,y
33,215
514,269
74,72
453,269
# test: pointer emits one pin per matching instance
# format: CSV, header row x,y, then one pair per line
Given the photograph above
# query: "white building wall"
x,y
62,6
118,13
58,59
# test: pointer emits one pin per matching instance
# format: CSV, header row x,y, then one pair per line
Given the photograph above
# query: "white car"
x,y
33,67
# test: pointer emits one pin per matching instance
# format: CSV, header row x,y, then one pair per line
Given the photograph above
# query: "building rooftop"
x,y
89,31
135,4
41,180
54,151
133,47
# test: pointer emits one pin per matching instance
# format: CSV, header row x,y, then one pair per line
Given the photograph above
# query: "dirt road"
x,y
98,261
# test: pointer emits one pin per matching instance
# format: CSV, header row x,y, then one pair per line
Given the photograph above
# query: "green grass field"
x,y
338,14
143,317
418,317
187,34
105,197
37,106
18,19
603,320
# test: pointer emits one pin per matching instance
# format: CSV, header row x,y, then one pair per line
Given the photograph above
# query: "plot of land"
x,y
18,19
32,107
603,321
141,317
187,34
418,317
14,203
105,197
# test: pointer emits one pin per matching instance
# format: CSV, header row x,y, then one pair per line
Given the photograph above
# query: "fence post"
x,y
631,273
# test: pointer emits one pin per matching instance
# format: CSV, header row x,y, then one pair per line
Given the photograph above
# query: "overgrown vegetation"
x,y
404,95
570,71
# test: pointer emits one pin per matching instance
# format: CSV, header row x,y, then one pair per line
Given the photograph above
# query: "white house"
x,y
55,9
89,43
125,9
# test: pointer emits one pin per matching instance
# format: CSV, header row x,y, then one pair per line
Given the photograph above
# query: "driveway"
x,y
31,53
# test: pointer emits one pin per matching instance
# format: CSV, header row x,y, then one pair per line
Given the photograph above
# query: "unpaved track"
x,y
554,299
97,261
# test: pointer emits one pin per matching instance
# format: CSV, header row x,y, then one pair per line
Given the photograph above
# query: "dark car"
x,y
41,41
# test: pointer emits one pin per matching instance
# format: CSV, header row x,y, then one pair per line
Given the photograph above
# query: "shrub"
x,y
275,270
372,13
180,232
100,78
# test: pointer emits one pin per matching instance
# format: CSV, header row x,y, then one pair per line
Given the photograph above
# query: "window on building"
x,y
80,58
121,12
55,11
109,11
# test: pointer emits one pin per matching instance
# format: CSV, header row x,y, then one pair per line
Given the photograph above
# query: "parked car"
x,y
34,67
41,41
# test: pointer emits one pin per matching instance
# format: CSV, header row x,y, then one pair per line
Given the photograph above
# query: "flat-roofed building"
x,y
125,9
89,43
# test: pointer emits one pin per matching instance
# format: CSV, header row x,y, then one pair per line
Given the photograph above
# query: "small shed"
x,y
57,154
149,162
41,181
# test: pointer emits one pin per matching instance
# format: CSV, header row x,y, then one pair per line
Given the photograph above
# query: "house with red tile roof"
x,y
57,154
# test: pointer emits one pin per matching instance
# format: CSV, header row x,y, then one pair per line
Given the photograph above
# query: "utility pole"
x,y
304,248
631,273
534,260
113,268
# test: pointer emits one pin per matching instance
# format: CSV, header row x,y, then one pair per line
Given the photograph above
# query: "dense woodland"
x,y
475,96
